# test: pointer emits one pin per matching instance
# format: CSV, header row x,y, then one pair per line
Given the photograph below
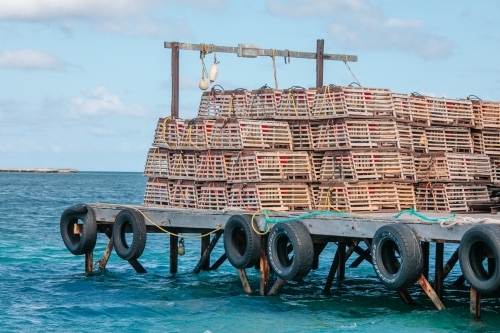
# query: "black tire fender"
x,y
390,240
134,219
241,243
285,266
475,244
85,241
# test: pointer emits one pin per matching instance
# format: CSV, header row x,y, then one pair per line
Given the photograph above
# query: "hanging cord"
x,y
273,56
473,97
212,47
203,52
349,68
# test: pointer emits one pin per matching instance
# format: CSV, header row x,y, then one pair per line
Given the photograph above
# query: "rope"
x,y
412,211
349,68
203,52
273,56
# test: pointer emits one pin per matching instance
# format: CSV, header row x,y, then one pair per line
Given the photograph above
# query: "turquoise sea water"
x,y
43,287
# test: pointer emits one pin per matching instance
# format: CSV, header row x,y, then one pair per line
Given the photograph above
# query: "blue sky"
x,y
83,82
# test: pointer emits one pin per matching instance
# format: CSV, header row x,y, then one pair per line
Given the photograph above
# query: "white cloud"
x,y
30,60
102,131
358,24
99,102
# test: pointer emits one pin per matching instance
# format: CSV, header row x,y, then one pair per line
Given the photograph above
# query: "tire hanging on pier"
x,y
241,242
481,244
290,250
84,216
397,255
129,218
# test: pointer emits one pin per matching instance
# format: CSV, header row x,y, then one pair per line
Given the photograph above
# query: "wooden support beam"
x,y
244,281
426,254
276,287
137,266
460,281
264,267
205,257
405,296
426,286
89,264
438,275
363,255
219,262
174,108
450,264
205,243
331,274
264,52
104,260
320,50
318,249
342,260
174,253
475,303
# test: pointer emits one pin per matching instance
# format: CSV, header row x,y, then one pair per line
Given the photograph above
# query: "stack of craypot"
x,y
350,149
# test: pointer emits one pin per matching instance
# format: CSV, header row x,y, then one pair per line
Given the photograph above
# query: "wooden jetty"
x,y
39,170
279,174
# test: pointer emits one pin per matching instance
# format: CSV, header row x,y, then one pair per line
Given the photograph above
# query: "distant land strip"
x,y
39,170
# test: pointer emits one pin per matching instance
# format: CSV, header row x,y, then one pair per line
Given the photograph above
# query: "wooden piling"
x,y
426,286
426,254
137,266
89,265
405,296
264,267
363,255
205,243
205,257
475,303
331,274
450,264
174,253
318,249
276,287
218,262
439,275
104,260
244,281
342,260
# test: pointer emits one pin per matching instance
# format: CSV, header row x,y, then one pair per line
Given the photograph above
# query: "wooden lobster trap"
x,y
368,102
275,196
486,141
365,196
368,165
211,166
191,134
450,112
328,104
166,133
212,195
263,103
316,158
442,139
218,103
405,136
156,163
345,134
295,103
182,164
486,114
301,131
249,134
183,193
156,193
495,169
450,167
449,197
274,166
402,107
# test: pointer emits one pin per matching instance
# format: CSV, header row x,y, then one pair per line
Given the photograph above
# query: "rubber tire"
x,y
303,251
240,255
139,233
470,257
79,243
383,257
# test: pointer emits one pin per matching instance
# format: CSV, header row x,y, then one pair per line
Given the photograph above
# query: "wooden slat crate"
x,y
451,112
224,134
166,133
156,192
449,167
405,136
191,134
218,103
301,134
367,165
295,103
212,195
402,107
211,166
487,141
344,134
263,103
261,166
495,169
449,197
316,158
365,196
486,114
328,103
442,139
477,141
243,196
156,163
182,164
419,110
368,102
183,194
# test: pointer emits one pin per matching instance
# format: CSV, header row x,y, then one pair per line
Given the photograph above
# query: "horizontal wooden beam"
x,y
266,52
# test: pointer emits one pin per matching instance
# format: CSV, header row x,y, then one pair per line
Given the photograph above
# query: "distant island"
x,y
39,170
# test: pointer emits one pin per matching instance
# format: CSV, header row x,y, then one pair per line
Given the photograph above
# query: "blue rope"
x,y
300,217
412,211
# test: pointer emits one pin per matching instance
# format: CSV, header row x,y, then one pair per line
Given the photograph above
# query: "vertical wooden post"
x,y
439,273
205,243
425,252
318,248
264,267
475,304
342,260
320,50
331,274
174,111
89,265
174,253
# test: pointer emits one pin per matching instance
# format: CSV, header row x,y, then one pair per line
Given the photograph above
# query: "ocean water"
x,y
43,287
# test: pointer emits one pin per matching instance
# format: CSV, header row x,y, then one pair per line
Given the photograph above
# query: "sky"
x,y
83,82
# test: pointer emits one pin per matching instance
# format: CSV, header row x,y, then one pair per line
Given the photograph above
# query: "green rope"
x,y
300,217
412,211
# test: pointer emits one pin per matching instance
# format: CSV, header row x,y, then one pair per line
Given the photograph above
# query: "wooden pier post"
x,y
426,253
333,270
89,265
450,264
174,253
205,257
426,286
205,243
318,249
244,281
218,262
264,267
104,260
276,287
475,303
342,260
439,274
